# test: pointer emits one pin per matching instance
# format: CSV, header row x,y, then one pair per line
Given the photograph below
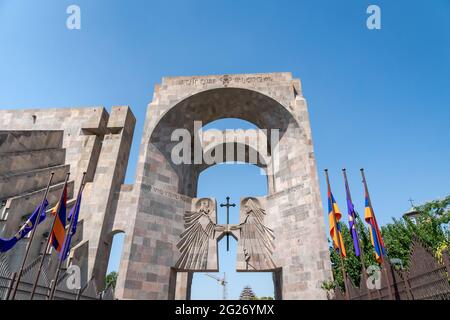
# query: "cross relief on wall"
x,y
198,242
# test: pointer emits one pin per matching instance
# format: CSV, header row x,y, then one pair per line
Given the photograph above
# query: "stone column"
x,y
98,206
183,285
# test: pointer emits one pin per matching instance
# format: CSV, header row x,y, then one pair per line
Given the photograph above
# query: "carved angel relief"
x,y
256,240
198,245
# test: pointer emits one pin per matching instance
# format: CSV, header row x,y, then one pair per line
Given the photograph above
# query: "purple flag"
x,y
67,241
352,220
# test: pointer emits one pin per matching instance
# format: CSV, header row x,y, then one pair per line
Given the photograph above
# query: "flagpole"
x,y
361,248
347,293
366,189
33,232
47,246
66,236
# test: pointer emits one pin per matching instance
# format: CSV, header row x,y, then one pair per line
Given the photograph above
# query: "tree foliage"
x,y
111,279
430,227
262,298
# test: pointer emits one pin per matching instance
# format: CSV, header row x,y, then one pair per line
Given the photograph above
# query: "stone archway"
x,y
155,207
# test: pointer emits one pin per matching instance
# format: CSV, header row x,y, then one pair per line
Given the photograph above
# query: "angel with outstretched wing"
x,y
195,239
257,240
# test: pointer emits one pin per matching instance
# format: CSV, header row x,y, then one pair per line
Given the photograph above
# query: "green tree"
x,y
262,298
430,227
111,279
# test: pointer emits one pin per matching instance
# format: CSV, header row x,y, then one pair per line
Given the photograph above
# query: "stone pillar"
x,y
183,285
149,249
98,208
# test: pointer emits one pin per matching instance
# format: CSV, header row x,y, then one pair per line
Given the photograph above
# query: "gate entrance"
x,y
171,232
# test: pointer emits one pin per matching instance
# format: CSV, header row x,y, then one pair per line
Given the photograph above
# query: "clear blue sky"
x,y
377,99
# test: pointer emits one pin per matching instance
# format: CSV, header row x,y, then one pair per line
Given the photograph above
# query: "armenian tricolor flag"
x,y
59,229
334,216
73,215
375,235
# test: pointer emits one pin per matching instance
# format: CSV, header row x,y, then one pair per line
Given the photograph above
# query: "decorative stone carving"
x,y
151,212
198,244
256,240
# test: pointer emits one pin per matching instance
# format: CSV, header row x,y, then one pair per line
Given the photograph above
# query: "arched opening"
x,y
173,230
115,254
212,109
236,181
230,123
205,108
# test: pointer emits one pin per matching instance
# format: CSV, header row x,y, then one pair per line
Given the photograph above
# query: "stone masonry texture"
x,y
150,212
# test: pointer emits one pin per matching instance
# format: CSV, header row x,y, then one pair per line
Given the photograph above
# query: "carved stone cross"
x,y
227,227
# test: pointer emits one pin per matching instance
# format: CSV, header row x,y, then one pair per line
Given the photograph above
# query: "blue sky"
x,y
377,99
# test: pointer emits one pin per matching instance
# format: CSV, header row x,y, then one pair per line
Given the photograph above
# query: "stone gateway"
x,y
169,232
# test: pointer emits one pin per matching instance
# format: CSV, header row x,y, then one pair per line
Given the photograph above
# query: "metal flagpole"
x,y
47,247
366,189
33,232
347,293
66,236
361,248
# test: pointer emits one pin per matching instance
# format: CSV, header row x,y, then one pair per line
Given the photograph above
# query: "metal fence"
x,y
7,280
87,292
425,279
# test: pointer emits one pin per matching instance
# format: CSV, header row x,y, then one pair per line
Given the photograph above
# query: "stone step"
x,y
16,141
24,161
17,184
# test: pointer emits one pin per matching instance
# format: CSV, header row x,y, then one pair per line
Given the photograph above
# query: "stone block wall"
x,y
270,101
150,212
36,142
